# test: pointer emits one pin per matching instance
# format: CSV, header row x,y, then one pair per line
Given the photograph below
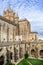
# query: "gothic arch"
x,y
41,53
33,52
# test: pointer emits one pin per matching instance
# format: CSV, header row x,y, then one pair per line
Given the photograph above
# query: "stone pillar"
x,y
13,54
18,48
29,49
3,32
0,32
18,51
38,53
7,34
13,34
21,51
5,57
25,47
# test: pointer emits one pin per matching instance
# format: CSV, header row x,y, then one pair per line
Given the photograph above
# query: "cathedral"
x,y
16,38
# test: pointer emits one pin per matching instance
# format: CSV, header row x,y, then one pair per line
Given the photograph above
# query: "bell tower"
x,y
10,15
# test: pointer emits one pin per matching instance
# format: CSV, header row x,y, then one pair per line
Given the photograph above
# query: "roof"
x,y
8,21
34,32
21,20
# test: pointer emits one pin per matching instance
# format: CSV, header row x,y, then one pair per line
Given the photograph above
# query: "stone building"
x,y
16,38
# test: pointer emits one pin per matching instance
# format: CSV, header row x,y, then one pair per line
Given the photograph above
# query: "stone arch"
x,y
33,53
41,53
2,60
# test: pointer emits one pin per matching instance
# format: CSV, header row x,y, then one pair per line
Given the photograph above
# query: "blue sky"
x,y
30,9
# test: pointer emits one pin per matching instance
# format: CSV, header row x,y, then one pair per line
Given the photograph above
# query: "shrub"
x,y
26,55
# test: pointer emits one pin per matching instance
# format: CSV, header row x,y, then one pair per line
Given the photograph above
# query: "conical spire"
x,y
9,9
9,14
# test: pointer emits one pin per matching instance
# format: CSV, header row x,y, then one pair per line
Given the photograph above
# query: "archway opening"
x,y
41,53
2,60
33,53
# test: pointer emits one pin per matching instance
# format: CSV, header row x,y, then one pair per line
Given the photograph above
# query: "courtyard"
x,y
31,61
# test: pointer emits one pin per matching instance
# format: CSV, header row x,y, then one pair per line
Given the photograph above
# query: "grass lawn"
x,y
9,63
35,61
32,61
23,62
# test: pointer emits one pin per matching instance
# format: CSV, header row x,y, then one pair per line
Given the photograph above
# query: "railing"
x,y
2,44
17,42
6,43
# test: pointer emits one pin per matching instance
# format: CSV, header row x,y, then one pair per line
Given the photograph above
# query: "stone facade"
x,y
10,28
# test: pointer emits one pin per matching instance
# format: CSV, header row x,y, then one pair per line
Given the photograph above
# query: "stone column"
x,y
13,34
25,47
3,32
38,53
21,51
29,49
13,53
0,32
7,33
18,48
5,57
